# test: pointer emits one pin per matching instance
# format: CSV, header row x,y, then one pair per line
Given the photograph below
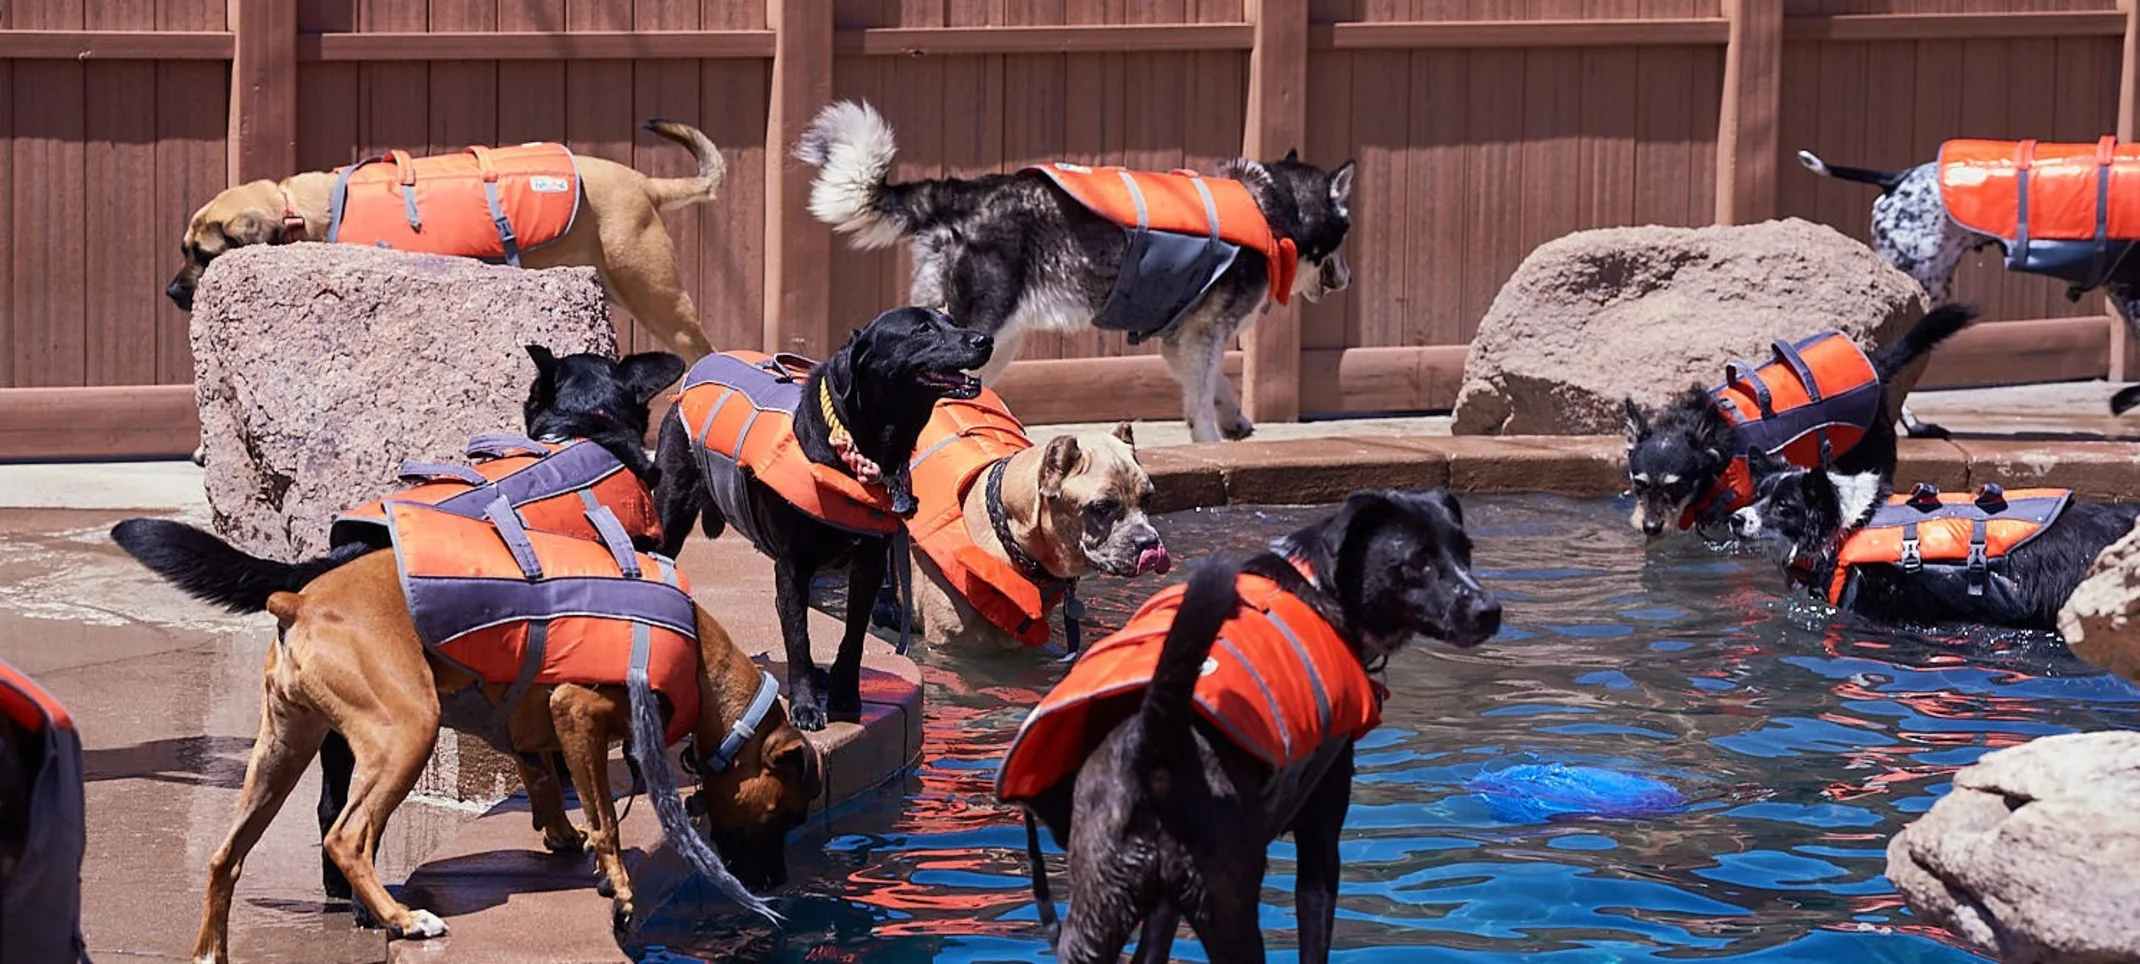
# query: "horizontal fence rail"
x,y
1478,138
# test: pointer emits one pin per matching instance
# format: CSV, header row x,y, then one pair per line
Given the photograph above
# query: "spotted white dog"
x,y
1912,230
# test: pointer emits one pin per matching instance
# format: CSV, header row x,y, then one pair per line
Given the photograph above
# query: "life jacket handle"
x,y
1738,371
498,445
1992,498
414,470
615,539
1924,497
787,367
507,522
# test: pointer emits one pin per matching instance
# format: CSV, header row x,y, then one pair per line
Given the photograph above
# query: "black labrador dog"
x,y
1169,817
883,384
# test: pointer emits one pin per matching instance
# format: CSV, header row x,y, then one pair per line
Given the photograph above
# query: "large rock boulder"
x,y
2032,855
319,368
2097,619
1598,315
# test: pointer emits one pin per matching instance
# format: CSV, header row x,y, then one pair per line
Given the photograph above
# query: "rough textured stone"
x,y
2097,620
2031,856
1597,315
321,367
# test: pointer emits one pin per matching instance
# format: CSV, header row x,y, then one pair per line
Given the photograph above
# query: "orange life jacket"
x,y
2065,210
1280,683
1184,231
964,438
551,485
739,406
491,203
524,607
41,896
1813,402
1945,533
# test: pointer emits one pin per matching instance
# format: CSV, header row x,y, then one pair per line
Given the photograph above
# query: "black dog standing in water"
x,y
1169,817
884,383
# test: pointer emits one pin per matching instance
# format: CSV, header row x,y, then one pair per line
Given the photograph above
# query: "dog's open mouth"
x,y
950,384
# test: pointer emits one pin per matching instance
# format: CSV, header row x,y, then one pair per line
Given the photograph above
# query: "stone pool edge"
x,y
1306,471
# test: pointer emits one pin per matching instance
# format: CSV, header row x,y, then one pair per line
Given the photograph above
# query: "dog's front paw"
x,y
568,840
845,689
2125,399
1237,428
808,717
620,916
422,925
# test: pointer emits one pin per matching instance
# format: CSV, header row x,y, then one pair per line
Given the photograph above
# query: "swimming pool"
x,y
1799,742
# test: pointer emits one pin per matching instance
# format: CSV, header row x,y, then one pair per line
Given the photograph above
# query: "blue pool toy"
x,y
1538,792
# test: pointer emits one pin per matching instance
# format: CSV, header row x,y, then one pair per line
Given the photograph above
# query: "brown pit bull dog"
x,y
352,656
1039,516
619,232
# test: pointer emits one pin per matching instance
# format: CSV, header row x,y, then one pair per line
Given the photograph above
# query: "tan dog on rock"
x,y
617,231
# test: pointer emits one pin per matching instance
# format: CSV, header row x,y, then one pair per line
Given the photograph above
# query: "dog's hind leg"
x,y
546,805
290,733
1194,353
336,763
1156,944
680,496
641,274
2126,303
391,747
585,719
1316,865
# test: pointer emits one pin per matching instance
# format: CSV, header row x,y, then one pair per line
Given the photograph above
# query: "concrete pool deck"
x,y
167,690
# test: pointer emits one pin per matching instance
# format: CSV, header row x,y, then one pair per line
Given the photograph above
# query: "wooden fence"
x,y
1482,128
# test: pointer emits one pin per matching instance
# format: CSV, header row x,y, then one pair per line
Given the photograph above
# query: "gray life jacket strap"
x,y
724,756
415,470
501,515
616,539
497,445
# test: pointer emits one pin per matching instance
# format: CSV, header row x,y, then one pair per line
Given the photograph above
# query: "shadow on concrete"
x,y
201,761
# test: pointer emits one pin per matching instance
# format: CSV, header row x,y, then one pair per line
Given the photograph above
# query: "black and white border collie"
x,y
1807,514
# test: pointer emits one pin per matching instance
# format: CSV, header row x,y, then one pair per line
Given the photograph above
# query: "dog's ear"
x,y
1341,184
1127,434
647,373
1056,464
545,363
1638,421
250,228
1345,542
1292,155
795,760
1762,462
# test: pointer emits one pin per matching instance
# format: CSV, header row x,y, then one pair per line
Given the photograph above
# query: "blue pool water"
x,y
1751,756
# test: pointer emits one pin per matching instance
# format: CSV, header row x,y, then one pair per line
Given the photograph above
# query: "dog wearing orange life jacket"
x,y
2069,211
1224,715
1178,256
1820,402
1005,528
1996,557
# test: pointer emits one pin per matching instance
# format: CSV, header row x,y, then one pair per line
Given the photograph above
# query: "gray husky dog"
x,y
1005,253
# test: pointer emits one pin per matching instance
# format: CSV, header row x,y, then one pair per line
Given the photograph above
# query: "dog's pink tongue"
x,y
1154,559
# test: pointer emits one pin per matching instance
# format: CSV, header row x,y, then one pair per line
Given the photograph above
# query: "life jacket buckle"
x,y
1912,559
1979,570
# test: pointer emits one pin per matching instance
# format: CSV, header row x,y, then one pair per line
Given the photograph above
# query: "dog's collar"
x,y
843,441
724,756
999,520
293,223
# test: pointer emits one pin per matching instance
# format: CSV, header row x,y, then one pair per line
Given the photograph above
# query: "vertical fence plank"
x,y
1277,121
797,248
1748,125
2121,340
263,90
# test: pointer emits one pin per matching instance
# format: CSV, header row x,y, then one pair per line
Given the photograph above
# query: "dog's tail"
x,y
209,569
851,146
650,747
1936,326
1211,600
1885,180
675,192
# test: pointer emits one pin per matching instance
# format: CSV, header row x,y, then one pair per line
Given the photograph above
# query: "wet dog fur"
x,y
1008,253
1165,820
1912,231
1676,454
885,381
1807,514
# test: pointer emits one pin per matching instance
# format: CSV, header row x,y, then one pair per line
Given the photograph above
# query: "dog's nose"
x,y
979,341
1741,521
1485,615
1147,541
1651,527
179,295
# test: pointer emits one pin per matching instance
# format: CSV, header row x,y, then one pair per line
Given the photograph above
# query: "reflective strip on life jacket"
x,y
550,485
1280,682
1929,528
524,607
41,895
1183,204
739,406
492,203
1813,402
963,439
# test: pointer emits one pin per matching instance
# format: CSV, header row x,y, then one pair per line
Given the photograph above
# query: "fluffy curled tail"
x,y
851,146
1936,326
675,192
209,569
649,745
1167,714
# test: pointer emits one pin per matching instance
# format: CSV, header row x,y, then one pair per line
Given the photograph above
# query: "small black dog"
x,y
578,396
883,384
1677,457
1810,515
1168,816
